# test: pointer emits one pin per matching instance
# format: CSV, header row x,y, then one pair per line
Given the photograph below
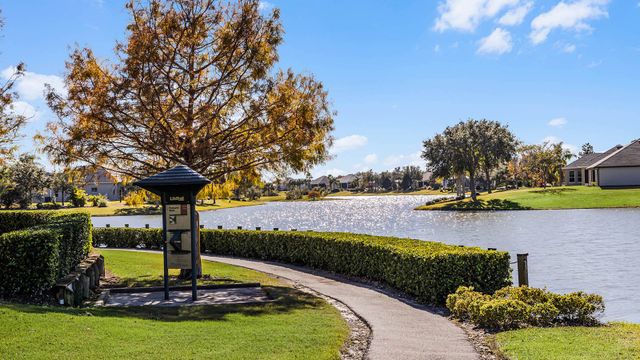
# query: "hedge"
x,y
34,257
428,271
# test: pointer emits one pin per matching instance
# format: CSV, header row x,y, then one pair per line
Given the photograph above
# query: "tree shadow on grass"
x,y
482,205
285,300
146,210
156,280
553,191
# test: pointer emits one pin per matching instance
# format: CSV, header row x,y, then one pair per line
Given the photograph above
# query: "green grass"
x,y
612,342
565,197
294,326
145,269
387,193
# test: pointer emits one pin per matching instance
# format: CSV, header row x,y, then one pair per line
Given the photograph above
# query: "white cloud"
x,y
404,160
31,85
265,6
436,48
349,143
371,159
568,48
25,109
498,42
555,140
568,16
466,15
558,122
515,16
333,171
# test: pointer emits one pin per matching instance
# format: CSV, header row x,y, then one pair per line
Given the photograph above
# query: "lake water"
x,y
569,250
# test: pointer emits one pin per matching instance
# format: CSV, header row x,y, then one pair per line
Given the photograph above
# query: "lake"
x,y
569,250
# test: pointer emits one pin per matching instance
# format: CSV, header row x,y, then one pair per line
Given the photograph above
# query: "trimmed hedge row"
x,y
34,257
429,271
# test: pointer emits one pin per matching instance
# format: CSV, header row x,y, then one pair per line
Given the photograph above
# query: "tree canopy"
x,y
195,83
468,148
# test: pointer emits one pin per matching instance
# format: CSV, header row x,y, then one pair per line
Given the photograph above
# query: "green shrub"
x,y
16,220
97,200
40,247
78,197
426,270
514,307
29,262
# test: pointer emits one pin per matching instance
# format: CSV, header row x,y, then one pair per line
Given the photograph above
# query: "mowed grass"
x,y
612,342
565,197
387,193
294,326
135,268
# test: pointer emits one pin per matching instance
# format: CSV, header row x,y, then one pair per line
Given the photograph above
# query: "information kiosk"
x,y
177,188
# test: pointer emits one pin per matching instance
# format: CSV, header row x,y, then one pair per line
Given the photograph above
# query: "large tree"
x,y
542,164
10,121
497,147
195,83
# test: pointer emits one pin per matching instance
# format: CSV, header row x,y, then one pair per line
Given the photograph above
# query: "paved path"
x,y
400,330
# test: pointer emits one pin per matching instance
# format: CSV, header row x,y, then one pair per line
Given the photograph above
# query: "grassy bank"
x,y
566,197
294,326
387,193
611,342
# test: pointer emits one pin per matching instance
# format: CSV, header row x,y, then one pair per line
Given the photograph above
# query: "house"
x,y
426,180
348,181
617,167
102,182
322,181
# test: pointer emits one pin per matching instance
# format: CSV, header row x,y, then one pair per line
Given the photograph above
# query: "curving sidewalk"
x,y
401,329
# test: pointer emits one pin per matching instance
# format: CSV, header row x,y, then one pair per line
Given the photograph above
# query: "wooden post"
x,y
108,225
523,270
239,227
126,225
294,229
275,229
146,226
258,228
201,226
219,227
492,249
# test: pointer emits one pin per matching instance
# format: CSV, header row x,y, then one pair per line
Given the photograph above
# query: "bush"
x,y
314,195
78,197
135,198
38,247
515,307
97,200
48,206
426,270
294,194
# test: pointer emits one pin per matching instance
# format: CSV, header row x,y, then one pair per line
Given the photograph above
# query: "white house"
x,y
617,167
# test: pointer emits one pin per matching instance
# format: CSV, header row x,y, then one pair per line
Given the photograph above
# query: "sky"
x,y
399,72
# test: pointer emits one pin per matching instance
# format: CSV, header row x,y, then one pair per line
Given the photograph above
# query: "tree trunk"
x,y
487,174
472,185
62,197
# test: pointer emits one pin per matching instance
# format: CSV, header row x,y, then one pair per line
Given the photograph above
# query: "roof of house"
x,y
98,176
427,175
321,180
348,178
625,156
591,159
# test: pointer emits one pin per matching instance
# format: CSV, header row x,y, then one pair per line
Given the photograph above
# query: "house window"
x,y
572,176
579,176
94,189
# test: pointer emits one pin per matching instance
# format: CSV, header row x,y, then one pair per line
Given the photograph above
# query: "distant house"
x,y
348,181
426,180
102,182
617,167
322,181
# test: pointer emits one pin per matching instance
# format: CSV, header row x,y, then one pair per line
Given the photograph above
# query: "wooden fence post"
x,y
523,270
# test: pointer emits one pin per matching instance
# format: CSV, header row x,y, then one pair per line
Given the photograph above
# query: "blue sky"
x,y
399,72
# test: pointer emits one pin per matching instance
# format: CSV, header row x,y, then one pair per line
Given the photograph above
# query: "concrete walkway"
x,y
401,330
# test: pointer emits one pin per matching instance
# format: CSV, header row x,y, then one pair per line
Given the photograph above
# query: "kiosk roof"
x,y
179,178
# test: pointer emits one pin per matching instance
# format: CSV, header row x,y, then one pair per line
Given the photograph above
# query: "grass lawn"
x,y
294,326
612,342
118,208
565,197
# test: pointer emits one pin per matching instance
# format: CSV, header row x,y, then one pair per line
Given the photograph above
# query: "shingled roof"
x,y
179,178
591,159
626,156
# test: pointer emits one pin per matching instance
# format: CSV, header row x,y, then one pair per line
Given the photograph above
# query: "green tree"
x,y
542,164
29,179
63,182
497,147
587,149
194,83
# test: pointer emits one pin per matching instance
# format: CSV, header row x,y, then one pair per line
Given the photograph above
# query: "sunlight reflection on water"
x,y
569,250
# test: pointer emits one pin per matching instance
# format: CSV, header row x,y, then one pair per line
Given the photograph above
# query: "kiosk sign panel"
x,y
178,232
